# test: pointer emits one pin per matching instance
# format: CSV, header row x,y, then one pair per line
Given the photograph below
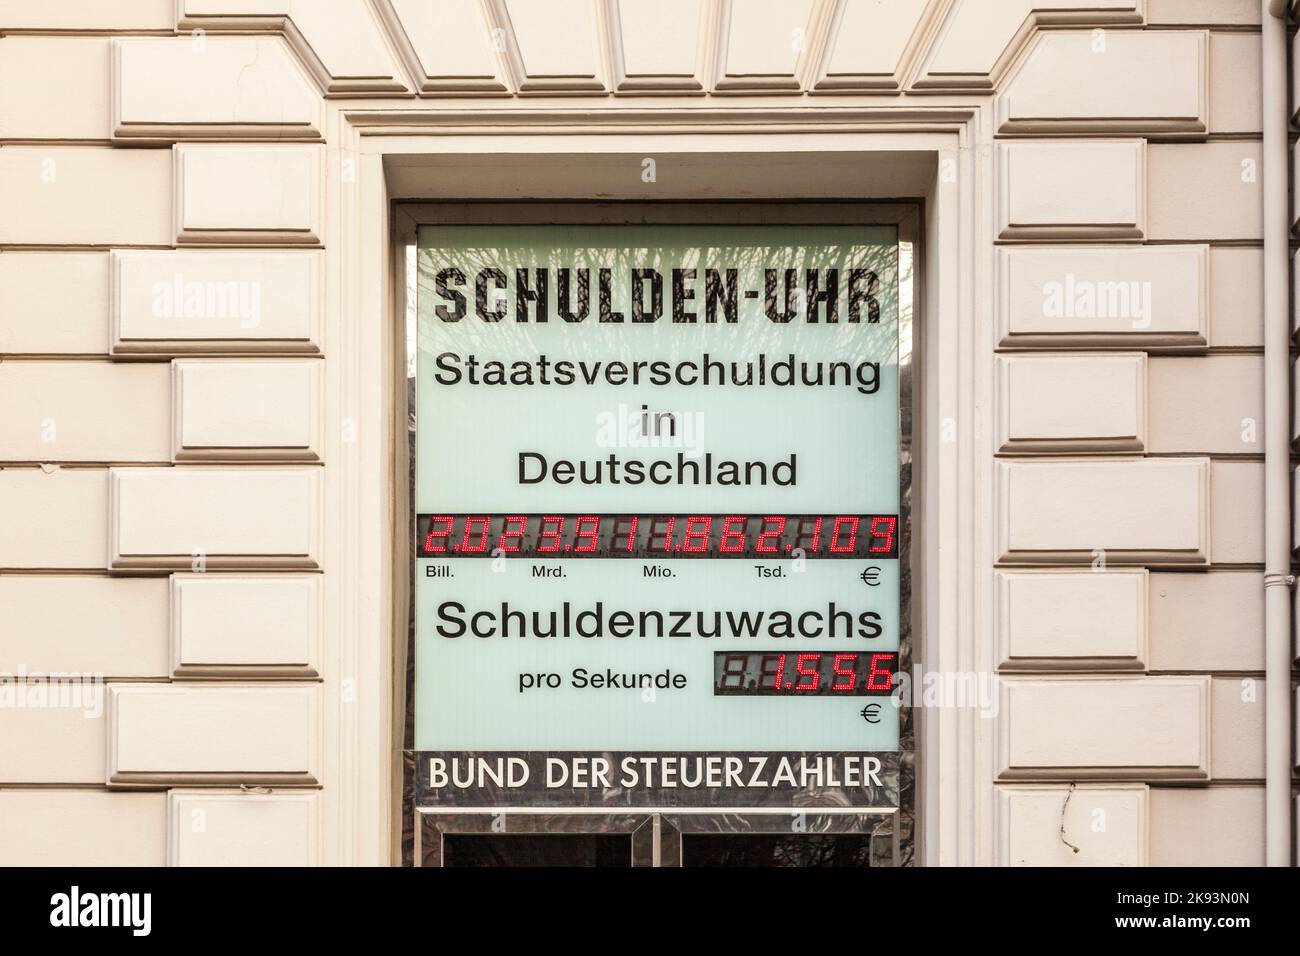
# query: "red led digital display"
x,y
656,536
804,674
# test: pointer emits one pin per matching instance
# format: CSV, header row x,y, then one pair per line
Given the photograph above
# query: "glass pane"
x,y
767,435
777,849
899,850
537,849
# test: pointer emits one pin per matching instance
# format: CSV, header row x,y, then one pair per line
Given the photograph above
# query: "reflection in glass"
x,y
777,849
537,849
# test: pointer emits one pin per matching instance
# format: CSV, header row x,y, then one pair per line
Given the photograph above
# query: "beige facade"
x,y
198,495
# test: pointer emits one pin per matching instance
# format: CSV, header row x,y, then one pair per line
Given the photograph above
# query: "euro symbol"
x,y
871,576
870,713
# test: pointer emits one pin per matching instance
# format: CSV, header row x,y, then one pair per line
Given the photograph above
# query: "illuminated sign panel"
x,y
657,508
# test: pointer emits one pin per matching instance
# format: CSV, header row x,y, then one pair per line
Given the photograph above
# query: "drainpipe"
x,y
1277,441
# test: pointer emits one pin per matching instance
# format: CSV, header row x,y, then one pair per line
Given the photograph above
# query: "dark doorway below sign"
x,y
776,849
537,849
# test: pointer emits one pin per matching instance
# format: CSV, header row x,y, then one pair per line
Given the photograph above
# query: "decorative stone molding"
x,y
1072,403
662,48
1152,511
234,625
447,46
1072,189
215,734
219,87
767,45
342,44
237,828
1072,620
189,301
1132,81
368,48
230,194
551,46
979,41
804,45
1104,728
898,30
1055,825
1104,297
195,518
264,410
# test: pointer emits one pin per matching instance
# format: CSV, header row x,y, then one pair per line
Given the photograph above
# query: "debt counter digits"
x,y
657,536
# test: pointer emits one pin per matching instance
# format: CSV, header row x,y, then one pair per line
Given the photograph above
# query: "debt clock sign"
x,y
657,537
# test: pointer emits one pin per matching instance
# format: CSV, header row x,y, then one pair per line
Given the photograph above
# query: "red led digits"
x,y
846,675
660,536
817,534
768,539
838,545
668,533
696,539
882,534
808,673
773,668
511,539
881,678
439,527
733,542
552,532
708,536
805,540
816,674
476,525
588,527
